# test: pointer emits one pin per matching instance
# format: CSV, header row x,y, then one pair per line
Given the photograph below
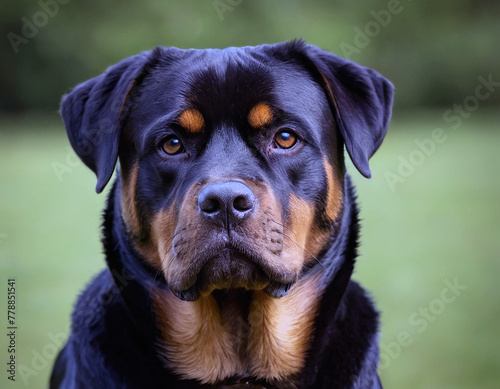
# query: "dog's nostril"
x,y
210,205
243,203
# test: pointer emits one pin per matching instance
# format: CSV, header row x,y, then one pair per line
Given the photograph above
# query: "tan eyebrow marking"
x,y
260,115
192,120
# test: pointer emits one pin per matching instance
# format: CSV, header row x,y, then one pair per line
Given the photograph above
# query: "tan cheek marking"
x,y
194,340
155,250
192,120
308,238
163,228
334,194
260,115
301,216
281,329
129,207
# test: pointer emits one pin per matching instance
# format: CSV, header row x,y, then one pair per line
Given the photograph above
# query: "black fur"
x,y
112,344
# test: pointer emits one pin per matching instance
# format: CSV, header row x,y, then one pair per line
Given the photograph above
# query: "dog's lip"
x,y
278,289
273,289
199,286
190,294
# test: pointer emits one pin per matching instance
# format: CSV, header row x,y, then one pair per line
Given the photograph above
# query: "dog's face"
x,y
228,173
231,160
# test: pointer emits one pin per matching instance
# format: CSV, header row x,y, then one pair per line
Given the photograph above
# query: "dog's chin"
x,y
232,271
272,289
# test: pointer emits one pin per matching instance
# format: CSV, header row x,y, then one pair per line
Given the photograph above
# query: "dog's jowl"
x,y
230,230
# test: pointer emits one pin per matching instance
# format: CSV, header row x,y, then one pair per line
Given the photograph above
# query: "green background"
x,y
430,213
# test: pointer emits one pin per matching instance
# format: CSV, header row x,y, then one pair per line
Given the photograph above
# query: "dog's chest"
x,y
210,340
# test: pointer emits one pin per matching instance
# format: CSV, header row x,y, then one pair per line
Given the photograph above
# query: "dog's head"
x,y
231,161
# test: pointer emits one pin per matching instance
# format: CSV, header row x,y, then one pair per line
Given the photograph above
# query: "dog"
x,y
231,229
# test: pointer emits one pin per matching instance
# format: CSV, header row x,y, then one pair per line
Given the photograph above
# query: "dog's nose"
x,y
226,203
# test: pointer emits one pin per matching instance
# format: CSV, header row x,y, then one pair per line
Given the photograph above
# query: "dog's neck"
x,y
238,333
235,333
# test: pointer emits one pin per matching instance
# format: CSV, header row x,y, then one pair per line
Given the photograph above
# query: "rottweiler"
x,y
230,231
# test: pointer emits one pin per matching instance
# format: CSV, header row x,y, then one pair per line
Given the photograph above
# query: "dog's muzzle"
x,y
230,262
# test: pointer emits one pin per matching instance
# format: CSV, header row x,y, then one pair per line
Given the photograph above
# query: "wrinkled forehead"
x,y
224,85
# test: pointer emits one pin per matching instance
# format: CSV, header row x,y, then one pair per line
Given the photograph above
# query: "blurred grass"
x,y
88,36
440,224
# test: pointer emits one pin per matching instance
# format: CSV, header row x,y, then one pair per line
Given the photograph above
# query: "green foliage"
x,y
432,51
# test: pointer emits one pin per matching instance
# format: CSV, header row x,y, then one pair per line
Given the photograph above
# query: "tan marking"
x,y
194,340
334,194
305,238
260,115
161,230
161,227
192,120
202,342
281,329
300,223
129,207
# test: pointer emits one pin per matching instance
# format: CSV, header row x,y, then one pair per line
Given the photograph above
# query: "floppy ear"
x,y
93,113
361,101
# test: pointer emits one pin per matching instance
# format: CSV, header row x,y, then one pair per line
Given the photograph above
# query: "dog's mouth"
x,y
231,269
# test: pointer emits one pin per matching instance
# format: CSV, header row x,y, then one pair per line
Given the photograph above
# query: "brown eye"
x,y
285,139
172,145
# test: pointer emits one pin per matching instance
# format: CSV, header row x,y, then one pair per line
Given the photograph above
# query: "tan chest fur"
x,y
209,341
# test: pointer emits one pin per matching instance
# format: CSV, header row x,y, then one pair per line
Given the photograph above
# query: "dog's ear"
x,y
361,101
93,113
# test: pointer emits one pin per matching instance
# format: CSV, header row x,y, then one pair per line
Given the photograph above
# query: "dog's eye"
x,y
285,139
172,145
